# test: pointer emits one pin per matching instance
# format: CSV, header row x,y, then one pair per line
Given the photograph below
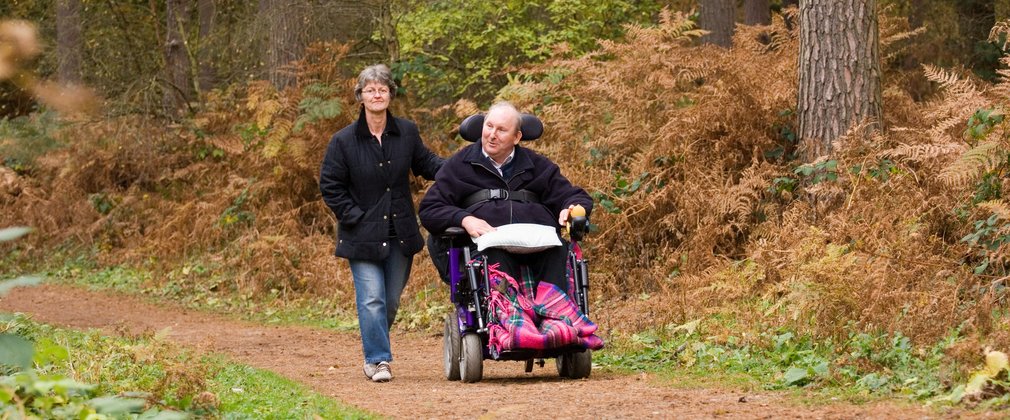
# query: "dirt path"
x,y
330,363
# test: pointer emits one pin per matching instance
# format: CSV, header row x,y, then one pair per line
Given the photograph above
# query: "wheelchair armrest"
x,y
453,232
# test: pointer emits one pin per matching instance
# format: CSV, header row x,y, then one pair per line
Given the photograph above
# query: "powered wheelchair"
x,y
466,334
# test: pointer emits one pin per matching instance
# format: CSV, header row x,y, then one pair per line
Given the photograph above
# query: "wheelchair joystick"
x,y
578,223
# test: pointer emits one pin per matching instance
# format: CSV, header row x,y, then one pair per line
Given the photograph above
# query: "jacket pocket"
x,y
353,217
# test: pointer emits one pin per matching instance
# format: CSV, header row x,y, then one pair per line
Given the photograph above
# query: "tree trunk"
x,y
69,43
285,21
757,12
839,67
178,89
717,17
206,13
387,26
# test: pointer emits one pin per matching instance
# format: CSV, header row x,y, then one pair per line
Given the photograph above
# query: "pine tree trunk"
x,y
178,89
285,43
839,66
69,43
206,13
718,17
757,12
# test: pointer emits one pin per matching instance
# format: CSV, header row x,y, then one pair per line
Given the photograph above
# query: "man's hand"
x,y
574,210
563,216
476,227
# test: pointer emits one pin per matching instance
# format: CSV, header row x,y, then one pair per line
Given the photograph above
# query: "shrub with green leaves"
x,y
15,351
460,48
26,391
27,387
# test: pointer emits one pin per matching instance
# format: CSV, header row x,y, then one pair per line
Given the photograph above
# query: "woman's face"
x,y
375,97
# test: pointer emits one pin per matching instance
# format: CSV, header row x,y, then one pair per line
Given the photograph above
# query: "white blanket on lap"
x,y
519,238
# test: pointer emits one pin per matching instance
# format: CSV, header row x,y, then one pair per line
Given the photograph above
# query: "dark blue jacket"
x,y
469,171
366,185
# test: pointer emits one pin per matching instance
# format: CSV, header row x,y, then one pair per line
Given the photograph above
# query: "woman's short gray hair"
x,y
375,73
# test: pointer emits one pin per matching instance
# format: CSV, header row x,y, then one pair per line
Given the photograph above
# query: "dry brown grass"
x,y
704,234
692,128
701,130
253,210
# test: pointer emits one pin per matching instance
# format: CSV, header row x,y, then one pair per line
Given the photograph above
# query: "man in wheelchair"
x,y
495,182
516,303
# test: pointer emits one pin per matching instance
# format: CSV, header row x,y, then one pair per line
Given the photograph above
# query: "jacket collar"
x,y
474,154
361,126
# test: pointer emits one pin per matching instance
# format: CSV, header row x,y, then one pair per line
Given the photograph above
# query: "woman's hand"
x,y
476,226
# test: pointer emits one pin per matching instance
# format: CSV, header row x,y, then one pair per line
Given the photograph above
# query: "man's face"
x,y
500,134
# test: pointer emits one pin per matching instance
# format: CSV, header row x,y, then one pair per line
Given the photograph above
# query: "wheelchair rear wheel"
x,y
576,365
471,361
450,348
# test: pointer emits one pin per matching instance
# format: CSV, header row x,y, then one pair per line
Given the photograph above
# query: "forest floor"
x,y
329,362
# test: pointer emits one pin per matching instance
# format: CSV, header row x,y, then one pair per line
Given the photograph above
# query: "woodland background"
x,y
193,151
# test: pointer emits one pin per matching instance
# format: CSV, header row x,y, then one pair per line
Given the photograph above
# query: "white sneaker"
x,y
378,372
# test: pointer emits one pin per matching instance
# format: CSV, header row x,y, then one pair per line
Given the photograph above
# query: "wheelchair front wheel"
x,y
563,366
576,365
471,361
450,348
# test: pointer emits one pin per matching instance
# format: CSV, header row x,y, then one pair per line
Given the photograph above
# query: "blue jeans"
x,y
377,289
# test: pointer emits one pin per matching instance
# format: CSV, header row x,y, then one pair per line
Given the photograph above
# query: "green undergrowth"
x,y
163,378
861,367
251,393
426,309
195,287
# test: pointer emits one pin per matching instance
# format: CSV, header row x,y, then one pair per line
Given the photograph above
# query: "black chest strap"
x,y
500,194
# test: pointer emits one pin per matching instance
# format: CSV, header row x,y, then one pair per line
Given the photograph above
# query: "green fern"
x,y
320,103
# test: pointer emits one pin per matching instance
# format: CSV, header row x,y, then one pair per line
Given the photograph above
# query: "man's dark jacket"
x,y
366,185
469,171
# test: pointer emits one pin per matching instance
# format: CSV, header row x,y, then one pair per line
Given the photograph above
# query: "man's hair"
x,y
508,105
375,73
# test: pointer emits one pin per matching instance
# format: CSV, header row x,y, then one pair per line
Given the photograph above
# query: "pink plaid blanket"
x,y
518,320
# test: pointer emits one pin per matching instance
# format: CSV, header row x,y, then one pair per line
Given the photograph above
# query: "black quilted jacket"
x,y
366,186
469,171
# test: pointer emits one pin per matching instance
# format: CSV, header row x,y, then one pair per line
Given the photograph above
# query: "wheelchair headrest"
x,y
471,127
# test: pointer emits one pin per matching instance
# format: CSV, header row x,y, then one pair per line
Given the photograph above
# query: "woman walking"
x,y
365,182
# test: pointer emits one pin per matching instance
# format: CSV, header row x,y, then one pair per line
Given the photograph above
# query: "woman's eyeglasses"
x,y
370,92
